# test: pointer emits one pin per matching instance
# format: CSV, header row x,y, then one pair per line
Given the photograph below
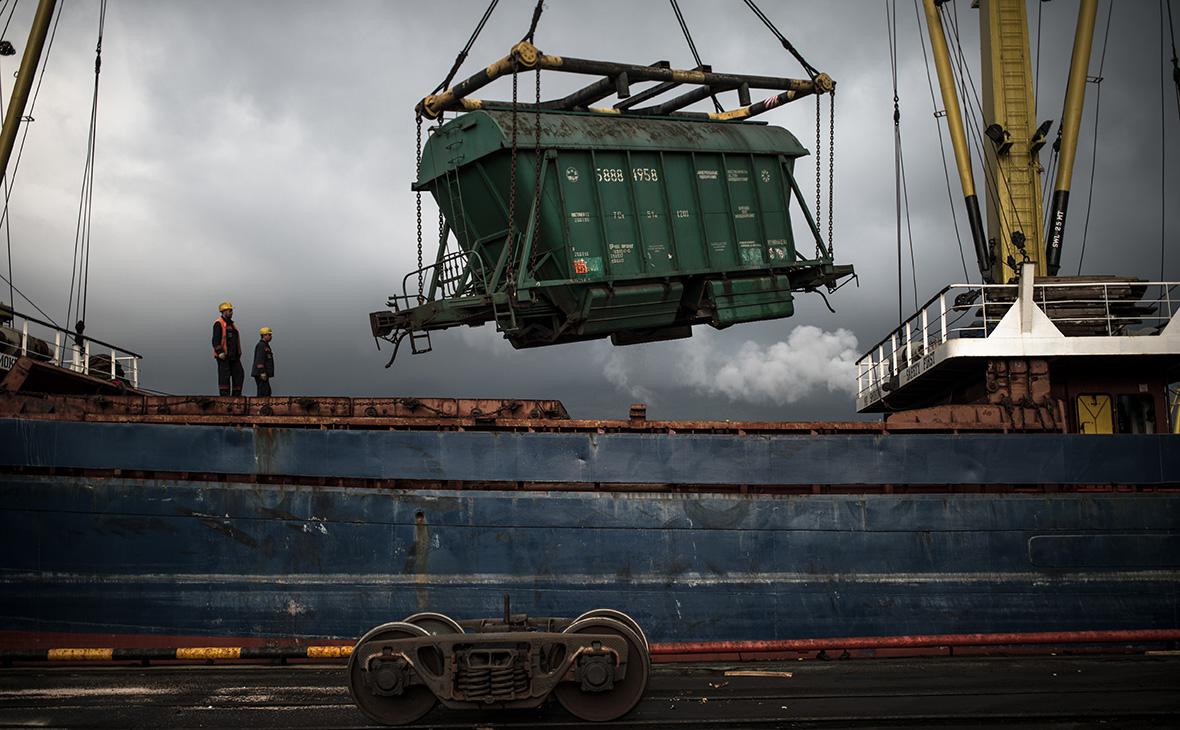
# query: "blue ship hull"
x,y
701,538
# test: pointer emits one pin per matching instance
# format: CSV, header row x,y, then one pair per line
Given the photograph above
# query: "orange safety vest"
x,y
224,336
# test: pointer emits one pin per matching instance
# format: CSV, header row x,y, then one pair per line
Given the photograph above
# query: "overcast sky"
x,y
262,152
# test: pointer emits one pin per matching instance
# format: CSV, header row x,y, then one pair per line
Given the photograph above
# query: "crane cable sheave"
x,y
523,56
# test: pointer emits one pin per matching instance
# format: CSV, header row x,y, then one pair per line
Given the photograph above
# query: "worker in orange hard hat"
x,y
264,362
227,349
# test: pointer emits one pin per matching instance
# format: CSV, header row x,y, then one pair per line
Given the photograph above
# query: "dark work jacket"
x,y
226,339
264,361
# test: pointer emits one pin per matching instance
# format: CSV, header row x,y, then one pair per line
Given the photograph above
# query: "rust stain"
x,y
416,561
223,526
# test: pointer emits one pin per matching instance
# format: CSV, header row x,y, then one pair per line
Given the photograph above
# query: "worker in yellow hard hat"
x,y
264,362
227,349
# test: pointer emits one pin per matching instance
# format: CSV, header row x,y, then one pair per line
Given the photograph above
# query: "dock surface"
x,y
1044,691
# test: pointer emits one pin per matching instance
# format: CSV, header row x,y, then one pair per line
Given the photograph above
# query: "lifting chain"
x,y
442,221
418,204
536,176
511,241
818,184
831,171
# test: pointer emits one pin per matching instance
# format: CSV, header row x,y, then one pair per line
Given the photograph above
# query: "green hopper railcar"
x,y
578,226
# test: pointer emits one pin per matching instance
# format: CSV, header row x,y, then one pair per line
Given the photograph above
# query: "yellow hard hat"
x,y
264,331
224,306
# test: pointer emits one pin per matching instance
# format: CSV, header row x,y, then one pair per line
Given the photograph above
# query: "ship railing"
x,y
1078,309
25,336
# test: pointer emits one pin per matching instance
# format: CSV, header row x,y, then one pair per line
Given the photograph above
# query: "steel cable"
x,y
693,47
967,89
1164,131
466,49
812,71
81,263
941,144
10,180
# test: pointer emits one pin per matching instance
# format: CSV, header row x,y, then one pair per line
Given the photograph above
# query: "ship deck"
x,y
1046,691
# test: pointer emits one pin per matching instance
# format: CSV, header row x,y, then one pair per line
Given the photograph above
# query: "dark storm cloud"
x,y
262,152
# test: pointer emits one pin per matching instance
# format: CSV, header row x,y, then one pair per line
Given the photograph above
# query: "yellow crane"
x,y
1014,209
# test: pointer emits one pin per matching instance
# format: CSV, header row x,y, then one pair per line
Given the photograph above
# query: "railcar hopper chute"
x,y
563,222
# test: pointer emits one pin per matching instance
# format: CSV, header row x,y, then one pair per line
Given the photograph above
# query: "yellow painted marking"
x,y
741,113
550,61
604,110
688,77
328,652
209,652
1094,413
471,105
499,68
80,655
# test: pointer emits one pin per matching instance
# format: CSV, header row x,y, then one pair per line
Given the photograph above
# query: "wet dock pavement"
x,y
1076,691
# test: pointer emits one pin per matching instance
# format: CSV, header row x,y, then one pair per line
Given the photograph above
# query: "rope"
x,y
693,47
812,71
467,48
81,264
941,143
1094,151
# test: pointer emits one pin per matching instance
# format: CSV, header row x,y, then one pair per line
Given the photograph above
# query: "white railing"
x,y
24,336
1110,308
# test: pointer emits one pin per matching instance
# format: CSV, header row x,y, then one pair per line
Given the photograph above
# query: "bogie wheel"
x,y
401,709
625,694
434,623
621,618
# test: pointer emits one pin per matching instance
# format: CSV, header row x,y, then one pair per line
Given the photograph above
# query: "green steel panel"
x,y
585,260
684,213
651,211
750,300
715,211
744,207
645,306
772,199
612,180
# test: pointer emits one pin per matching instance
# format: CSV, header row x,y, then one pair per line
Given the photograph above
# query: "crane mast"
x,y
1012,141
1014,211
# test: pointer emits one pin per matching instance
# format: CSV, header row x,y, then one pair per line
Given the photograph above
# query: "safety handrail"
x,y
19,337
1095,308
